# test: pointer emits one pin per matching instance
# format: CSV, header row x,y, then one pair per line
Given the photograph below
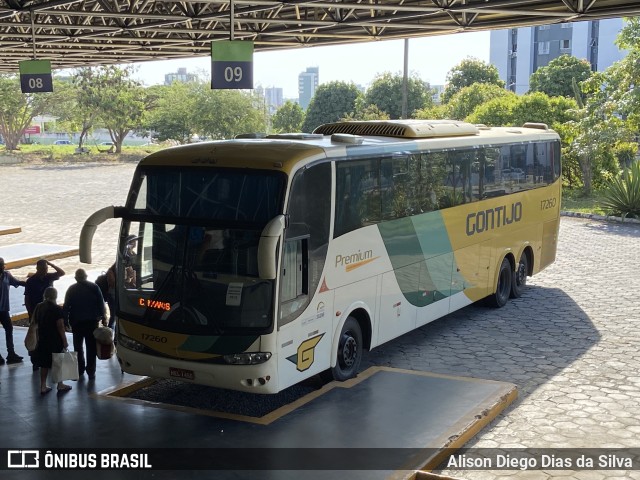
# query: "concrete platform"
x,y
384,424
25,254
4,230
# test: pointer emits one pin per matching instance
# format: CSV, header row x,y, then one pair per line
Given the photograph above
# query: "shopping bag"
x,y
31,339
64,366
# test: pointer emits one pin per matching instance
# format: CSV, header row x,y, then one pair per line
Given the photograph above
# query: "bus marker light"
x,y
338,313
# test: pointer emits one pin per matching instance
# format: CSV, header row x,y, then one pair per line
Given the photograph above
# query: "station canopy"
x,y
74,33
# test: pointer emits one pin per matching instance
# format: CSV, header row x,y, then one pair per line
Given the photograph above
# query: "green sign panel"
x,y
35,76
232,64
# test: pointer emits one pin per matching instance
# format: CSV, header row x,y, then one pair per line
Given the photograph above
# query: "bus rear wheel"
x,y
350,350
503,286
519,280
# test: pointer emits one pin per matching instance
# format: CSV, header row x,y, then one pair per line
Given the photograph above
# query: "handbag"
x,y
64,366
31,339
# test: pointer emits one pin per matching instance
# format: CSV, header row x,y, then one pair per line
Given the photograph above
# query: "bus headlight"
x,y
129,343
247,358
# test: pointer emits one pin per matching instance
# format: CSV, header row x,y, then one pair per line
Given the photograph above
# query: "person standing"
x,y
83,309
39,282
36,285
7,280
51,337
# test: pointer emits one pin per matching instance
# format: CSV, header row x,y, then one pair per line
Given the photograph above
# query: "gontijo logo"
x,y
355,260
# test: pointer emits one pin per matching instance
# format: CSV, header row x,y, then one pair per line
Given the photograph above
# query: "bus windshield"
x,y
188,254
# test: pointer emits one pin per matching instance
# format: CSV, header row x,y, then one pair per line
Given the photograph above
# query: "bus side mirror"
x,y
89,228
267,247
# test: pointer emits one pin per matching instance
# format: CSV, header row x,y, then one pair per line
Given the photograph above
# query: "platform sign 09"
x,y
232,64
35,76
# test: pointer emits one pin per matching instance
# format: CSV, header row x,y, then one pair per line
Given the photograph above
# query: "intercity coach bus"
x,y
253,264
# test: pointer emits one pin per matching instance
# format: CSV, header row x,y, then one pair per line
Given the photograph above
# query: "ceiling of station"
x,y
73,33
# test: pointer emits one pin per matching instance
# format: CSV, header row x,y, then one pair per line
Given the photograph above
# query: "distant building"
x,y
273,97
436,93
307,85
180,76
519,52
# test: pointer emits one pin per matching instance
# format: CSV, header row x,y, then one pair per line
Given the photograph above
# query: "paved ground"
x,y
570,343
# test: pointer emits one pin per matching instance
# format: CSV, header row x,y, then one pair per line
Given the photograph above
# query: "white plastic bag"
x,y
64,366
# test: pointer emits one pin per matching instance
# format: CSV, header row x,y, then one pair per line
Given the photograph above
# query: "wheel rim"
x,y
504,284
521,274
349,351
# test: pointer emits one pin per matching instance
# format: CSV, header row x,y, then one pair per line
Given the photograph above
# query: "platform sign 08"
x,y
35,76
232,64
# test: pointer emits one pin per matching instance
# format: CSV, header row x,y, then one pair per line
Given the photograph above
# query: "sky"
x,y
431,58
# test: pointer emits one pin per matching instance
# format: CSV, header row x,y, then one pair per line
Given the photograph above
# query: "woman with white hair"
x,y
51,337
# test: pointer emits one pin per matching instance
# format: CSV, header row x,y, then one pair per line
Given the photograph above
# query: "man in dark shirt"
x,y
36,285
39,282
7,280
83,308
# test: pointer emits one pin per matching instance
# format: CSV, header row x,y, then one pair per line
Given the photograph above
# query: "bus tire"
x,y
503,285
350,350
519,278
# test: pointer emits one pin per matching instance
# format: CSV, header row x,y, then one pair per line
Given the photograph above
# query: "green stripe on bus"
x,y
422,257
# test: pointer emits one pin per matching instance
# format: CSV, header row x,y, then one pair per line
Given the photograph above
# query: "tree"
x,y
288,118
18,109
466,73
365,113
221,114
496,112
385,93
121,101
172,115
514,110
331,102
463,103
556,79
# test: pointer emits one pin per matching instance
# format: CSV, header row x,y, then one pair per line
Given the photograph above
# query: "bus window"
x,y
306,239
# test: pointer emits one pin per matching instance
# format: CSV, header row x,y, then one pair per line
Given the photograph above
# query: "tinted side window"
x,y
306,238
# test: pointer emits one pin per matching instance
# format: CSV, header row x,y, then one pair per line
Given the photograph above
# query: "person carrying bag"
x,y
52,338
84,308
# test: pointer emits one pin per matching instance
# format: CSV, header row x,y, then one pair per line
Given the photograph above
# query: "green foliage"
x,y
221,114
539,107
556,79
622,193
495,112
434,112
385,93
626,153
18,109
514,110
466,73
365,112
172,115
288,118
121,101
331,102
463,103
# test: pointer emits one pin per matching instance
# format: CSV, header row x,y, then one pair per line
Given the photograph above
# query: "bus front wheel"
x,y
503,287
349,351
519,280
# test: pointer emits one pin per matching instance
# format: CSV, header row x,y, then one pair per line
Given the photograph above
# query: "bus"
x,y
254,263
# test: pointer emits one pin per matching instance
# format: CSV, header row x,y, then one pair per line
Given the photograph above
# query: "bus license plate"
x,y
182,373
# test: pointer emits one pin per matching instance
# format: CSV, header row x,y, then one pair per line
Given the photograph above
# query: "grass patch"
x,y
67,153
575,201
